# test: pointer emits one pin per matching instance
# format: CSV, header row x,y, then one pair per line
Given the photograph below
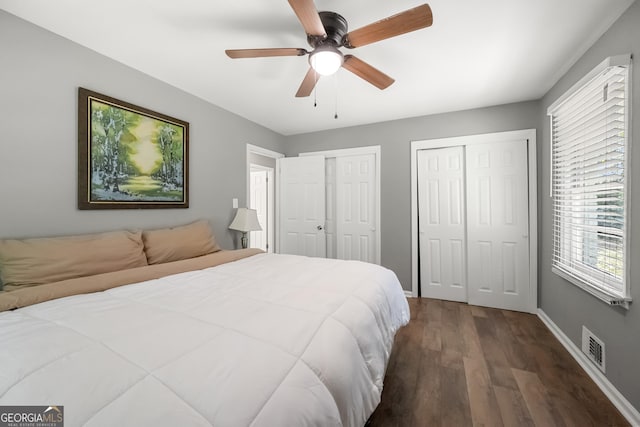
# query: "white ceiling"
x,y
476,54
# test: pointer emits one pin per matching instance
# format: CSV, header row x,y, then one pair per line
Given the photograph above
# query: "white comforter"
x,y
270,340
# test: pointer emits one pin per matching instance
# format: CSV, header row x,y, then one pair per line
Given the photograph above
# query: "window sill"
x,y
613,300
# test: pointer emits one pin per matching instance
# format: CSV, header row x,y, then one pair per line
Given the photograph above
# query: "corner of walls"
x,y
566,305
39,78
394,138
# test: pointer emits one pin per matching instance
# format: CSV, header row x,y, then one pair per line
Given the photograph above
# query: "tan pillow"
x,y
29,262
178,243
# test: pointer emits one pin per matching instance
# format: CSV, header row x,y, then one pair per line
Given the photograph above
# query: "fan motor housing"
x,y
336,28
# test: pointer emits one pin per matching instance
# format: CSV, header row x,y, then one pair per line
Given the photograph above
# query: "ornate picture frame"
x,y
130,157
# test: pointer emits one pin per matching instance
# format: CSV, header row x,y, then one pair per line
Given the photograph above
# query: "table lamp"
x,y
245,220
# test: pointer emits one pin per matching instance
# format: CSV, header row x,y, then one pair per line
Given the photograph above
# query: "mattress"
x,y
268,340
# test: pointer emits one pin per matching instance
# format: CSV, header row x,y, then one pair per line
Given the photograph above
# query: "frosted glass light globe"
x,y
326,60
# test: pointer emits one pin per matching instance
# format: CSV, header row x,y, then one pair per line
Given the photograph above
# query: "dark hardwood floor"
x,y
460,365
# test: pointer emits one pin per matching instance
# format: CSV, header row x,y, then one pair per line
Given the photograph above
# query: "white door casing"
x,y
498,225
441,223
355,207
272,206
302,206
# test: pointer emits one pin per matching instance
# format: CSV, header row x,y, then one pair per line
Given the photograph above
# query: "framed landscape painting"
x,y
130,157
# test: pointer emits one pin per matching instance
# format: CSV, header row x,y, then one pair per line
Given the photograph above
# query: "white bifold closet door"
x,y
473,223
498,225
355,207
441,223
347,186
330,205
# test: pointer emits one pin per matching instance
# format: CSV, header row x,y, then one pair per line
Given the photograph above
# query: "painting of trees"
x,y
134,156
170,146
110,151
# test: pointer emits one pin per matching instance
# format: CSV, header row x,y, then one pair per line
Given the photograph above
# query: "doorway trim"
x,y
271,202
254,149
359,151
527,134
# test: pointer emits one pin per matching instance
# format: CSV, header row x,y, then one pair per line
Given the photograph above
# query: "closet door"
x,y
330,192
498,224
355,207
441,223
302,206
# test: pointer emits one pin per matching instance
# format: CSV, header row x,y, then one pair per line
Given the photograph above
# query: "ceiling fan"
x,y
328,31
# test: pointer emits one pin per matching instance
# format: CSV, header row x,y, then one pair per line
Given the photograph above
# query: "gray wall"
x,y
39,76
567,305
395,140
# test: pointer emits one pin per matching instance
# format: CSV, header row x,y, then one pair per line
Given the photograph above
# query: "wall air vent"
x,y
593,347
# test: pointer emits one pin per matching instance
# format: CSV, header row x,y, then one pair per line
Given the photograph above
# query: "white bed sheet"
x,y
269,340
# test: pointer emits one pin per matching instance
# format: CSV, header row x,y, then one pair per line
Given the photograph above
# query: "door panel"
x,y
330,229
355,208
302,206
441,223
498,224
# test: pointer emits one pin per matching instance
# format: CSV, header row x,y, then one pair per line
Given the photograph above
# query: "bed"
x,y
226,338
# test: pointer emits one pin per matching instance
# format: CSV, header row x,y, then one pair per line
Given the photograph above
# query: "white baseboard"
x,y
408,294
626,409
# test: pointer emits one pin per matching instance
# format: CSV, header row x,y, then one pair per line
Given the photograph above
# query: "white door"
x,y
259,200
302,206
441,223
355,207
498,224
330,220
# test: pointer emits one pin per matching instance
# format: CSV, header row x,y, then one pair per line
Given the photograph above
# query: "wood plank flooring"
x,y
460,365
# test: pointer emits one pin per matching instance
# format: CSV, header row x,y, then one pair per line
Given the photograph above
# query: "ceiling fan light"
x,y
326,60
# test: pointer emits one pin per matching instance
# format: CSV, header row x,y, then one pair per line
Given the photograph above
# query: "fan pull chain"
x,y
336,105
315,89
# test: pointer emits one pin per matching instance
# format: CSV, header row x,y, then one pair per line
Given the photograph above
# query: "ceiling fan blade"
x,y
308,83
261,53
308,16
367,72
403,22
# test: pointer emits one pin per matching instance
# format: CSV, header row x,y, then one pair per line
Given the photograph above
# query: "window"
x,y
589,147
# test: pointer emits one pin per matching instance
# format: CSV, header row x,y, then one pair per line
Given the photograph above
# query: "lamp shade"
x,y
245,220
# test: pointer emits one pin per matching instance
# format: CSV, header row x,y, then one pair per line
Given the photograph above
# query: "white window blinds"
x,y
589,141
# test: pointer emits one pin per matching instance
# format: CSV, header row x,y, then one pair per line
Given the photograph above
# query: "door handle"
x,y
319,227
